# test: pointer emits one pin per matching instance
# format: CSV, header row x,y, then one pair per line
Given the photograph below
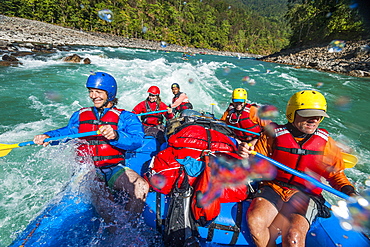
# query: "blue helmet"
x,y
103,81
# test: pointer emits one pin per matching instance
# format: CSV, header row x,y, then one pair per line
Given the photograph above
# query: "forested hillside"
x,y
325,20
212,24
254,26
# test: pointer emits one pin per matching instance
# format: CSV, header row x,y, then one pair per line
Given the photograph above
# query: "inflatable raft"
x,y
71,220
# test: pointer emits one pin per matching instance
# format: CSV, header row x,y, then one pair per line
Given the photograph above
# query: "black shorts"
x,y
300,203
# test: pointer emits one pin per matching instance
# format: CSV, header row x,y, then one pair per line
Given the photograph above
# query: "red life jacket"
x,y
184,105
242,120
196,141
102,153
306,157
152,119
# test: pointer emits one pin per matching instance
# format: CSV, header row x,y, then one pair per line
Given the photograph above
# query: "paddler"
x,y
180,100
243,115
153,123
288,204
120,131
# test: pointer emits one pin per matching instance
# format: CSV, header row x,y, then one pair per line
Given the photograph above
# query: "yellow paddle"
x,y
6,148
349,160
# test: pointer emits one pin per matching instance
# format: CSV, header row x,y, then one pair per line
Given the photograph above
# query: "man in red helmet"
x,y
153,123
120,131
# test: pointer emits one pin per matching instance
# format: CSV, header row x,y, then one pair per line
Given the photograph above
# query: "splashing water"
x,y
355,215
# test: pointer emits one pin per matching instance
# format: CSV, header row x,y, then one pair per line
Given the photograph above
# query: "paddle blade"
x,y
349,160
6,148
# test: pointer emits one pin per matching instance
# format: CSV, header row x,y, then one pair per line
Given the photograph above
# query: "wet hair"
x,y
114,101
159,100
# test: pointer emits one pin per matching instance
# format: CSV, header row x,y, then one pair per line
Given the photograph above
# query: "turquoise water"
x,y
41,95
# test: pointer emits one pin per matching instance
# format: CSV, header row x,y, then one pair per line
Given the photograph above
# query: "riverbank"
x,y
353,60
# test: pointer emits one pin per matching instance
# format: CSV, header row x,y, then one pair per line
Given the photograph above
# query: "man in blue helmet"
x,y
120,130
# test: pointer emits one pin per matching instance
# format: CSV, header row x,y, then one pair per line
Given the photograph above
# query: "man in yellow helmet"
x,y
288,204
242,115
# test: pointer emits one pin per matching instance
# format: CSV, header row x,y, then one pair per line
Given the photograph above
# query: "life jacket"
x,y
242,120
306,157
152,119
197,142
103,154
184,105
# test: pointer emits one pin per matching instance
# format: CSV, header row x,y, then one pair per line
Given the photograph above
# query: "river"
x,y
41,95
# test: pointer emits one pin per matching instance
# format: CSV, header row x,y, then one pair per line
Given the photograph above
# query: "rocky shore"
x,y
353,60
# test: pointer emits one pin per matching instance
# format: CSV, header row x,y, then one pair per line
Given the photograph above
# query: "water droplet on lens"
x,y
226,71
268,112
336,45
158,181
106,15
343,103
319,84
246,78
367,182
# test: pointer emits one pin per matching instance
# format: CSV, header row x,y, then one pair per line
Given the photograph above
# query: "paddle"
x,y
151,112
304,176
6,148
349,160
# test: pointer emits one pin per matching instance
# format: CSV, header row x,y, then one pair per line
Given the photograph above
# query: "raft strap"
x,y
235,229
98,122
300,151
159,221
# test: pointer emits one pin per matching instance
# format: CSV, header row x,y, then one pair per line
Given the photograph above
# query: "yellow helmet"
x,y
312,102
239,95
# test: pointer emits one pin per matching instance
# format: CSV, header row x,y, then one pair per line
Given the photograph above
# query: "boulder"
x,y
10,58
73,59
87,61
9,61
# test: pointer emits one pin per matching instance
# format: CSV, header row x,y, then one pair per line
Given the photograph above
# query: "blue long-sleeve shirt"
x,y
129,129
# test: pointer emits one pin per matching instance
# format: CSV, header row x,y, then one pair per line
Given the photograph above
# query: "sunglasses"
x,y
153,94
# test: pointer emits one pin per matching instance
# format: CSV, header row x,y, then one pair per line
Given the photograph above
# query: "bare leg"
x,y
260,215
296,233
277,227
137,188
103,202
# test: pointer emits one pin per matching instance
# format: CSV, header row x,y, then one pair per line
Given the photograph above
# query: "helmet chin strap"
x,y
105,104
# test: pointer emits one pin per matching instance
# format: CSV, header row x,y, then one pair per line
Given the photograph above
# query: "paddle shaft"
x,y
304,176
152,112
244,130
90,133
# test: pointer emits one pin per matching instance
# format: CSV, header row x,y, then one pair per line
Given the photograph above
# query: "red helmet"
x,y
154,90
